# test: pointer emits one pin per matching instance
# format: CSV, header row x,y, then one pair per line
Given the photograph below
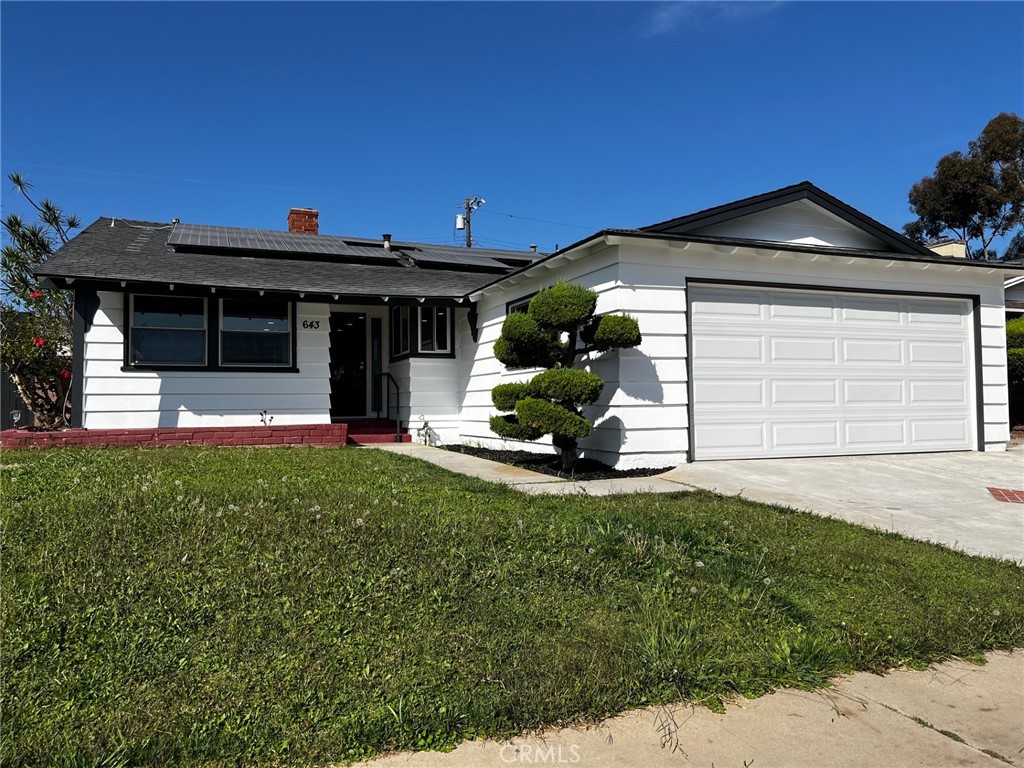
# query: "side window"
x,y
434,324
399,331
519,305
167,330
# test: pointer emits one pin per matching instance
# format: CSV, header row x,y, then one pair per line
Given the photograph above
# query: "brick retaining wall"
x,y
300,434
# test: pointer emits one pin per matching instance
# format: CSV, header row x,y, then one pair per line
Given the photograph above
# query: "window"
x,y
519,306
203,334
434,329
421,331
255,333
167,330
399,331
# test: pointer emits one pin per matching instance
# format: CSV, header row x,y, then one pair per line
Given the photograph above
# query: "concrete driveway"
x,y
940,497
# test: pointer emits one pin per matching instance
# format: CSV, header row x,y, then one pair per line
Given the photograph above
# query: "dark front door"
x,y
348,364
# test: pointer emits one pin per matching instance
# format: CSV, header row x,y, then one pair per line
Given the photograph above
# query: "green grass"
x,y
216,607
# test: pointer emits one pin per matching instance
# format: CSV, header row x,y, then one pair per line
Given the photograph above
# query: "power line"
x,y
542,221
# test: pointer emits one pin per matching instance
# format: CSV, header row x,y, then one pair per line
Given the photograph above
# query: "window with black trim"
x,y
167,330
434,329
421,331
255,333
200,334
519,306
399,331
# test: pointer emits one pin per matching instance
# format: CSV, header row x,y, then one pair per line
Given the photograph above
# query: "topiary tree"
x,y
557,329
1015,369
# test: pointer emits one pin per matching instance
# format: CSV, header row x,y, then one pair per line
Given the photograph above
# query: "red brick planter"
x,y
299,434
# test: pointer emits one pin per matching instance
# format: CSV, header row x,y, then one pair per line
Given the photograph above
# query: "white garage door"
x,y
811,373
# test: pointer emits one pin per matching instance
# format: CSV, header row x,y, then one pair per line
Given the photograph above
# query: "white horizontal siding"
x,y
115,398
642,417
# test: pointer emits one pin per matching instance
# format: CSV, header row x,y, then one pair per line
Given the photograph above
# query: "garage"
x,y
779,372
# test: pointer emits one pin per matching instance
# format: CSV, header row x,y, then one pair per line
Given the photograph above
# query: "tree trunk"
x,y
38,402
569,447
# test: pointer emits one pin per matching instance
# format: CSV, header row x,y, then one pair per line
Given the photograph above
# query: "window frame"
x,y
212,322
289,316
415,334
519,305
130,331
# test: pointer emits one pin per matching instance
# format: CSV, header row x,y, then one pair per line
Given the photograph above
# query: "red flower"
x,y
65,374
36,294
39,341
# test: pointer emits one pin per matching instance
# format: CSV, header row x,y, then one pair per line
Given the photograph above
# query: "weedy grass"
x,y
200,606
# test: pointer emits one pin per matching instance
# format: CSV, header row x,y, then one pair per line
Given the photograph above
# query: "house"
x,y
1014,292
786,324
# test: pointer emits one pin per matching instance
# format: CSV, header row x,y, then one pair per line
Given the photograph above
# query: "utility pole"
x,y
470,205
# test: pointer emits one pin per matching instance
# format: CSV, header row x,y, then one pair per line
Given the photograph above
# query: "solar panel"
x,y
239,238
466,258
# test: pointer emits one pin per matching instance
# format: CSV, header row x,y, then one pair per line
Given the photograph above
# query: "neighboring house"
x,y
787,324
1014,291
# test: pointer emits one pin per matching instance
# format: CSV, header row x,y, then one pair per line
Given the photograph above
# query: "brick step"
x,y
369,438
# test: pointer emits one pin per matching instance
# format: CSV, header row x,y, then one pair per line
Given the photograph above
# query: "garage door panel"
x,y
745,392
876,434
822,435
942,392
800,392
872,350
725,439
728,304
739,349
928,352
929,314
873,311
815,373
873,392
803,349
938,431
782,309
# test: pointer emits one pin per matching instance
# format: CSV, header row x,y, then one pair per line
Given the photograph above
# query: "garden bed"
x,y
549,464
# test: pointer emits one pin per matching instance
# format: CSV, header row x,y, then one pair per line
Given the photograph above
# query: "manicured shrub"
x,y
612,332
551,418
549,335
508,427
564,306
505,396
524,344
567,385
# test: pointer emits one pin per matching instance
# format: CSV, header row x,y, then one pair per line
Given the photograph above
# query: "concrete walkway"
x,y
939,497
955,714
532,482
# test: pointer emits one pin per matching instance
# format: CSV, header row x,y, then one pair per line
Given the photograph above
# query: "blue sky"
x,y
385,116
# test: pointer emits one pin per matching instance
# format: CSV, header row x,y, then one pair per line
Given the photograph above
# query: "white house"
x,y
787,324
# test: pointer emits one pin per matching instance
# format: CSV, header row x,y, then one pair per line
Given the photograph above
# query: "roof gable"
x,y
799,214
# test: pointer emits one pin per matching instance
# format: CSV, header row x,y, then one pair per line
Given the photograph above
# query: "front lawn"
x,y
221,606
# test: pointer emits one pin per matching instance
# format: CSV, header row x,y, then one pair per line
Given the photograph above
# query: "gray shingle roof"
x,y
137,251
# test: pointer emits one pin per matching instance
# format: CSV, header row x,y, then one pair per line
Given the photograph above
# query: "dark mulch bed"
x,y
586,469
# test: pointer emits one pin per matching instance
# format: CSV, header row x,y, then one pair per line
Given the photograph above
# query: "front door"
x,y
348,364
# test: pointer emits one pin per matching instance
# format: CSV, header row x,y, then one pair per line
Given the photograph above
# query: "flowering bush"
x,y
35,325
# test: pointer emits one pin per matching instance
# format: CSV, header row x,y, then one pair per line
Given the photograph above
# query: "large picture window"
x,y
421,331
167,330
255,332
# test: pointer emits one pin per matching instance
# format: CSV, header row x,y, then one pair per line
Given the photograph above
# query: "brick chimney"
x,y
304,221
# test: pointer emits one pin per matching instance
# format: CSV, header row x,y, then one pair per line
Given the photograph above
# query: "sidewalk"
x,y
531,482
954,714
